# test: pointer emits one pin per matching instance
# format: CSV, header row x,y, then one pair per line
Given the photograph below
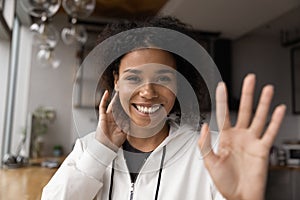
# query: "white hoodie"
x,y
86,173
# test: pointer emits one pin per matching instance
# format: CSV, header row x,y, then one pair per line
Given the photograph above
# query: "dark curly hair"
x,y
183,66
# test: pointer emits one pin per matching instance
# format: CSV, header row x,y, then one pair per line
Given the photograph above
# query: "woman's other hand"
x,y
239,167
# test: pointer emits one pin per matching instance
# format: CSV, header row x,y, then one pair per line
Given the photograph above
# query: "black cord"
x,y
111,180
158,180
160,170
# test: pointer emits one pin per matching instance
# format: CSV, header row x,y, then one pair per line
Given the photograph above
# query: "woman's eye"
x,y
133,79
164,79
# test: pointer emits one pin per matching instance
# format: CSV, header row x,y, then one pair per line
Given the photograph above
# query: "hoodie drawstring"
x,y
158,180
160,170
111,180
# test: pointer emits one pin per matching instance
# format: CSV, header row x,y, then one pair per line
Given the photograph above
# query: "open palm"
x,y
239,167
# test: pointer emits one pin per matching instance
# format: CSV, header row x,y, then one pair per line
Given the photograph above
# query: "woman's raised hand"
x,y
108,132
239,167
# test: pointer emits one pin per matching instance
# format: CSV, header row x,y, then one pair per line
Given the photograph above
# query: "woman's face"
x,y
146,84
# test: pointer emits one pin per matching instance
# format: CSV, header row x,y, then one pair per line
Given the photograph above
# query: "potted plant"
x,y
42,117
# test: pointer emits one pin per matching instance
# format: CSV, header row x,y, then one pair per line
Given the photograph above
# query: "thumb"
x,y
204,144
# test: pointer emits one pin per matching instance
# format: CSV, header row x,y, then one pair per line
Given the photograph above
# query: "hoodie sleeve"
x,y
81,174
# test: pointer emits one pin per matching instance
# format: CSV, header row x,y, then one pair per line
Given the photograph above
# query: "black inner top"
x,y
135,159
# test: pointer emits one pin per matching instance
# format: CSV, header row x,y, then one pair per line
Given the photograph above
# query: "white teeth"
x,y
148,110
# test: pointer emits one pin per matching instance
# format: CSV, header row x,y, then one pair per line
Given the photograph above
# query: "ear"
x,y
116,80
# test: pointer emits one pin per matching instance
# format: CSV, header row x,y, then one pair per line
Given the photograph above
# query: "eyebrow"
x,y
162,71
134,71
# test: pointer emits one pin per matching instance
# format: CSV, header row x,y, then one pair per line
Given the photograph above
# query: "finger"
x,y
109,108
204,144
261,114
272,130
245,109
103,103
222,109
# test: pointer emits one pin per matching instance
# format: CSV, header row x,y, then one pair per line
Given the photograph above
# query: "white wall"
x,y
264,56
53,87
4,64
37,86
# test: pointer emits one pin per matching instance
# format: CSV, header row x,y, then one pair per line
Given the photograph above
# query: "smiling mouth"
x,y
147,109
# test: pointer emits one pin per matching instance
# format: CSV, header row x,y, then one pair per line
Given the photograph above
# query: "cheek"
x,y
171,98
172,87
125,94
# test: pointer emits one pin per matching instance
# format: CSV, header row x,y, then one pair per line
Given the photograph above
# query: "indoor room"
x,y
49,95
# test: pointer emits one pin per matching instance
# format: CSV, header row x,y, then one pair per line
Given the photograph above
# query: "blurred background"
x,y
43,43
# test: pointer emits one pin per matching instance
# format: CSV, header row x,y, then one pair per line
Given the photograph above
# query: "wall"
x,y
4,64
53,88
263,55
39,86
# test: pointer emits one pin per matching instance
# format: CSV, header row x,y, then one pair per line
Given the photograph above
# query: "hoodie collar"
x,y
177,143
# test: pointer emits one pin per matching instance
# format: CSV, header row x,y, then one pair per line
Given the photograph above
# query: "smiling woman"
x,y
138,146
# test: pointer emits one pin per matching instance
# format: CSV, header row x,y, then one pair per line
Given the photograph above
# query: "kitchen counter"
x,y
284,167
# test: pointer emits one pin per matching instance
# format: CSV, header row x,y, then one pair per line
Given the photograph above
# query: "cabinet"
x,y
283,183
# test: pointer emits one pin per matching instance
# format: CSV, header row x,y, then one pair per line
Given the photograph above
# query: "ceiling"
x,y
233,18
127,8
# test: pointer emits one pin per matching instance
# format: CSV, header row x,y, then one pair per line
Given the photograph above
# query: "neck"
x,y
147,144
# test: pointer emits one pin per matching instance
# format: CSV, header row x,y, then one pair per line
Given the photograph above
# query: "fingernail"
x,y
283,106
221,83
221,86
251,75
269,86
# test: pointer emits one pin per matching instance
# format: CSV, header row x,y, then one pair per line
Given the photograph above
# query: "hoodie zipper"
x,y
131,191
159,177
133,183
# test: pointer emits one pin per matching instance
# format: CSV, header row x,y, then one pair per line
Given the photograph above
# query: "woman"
x,y
139,151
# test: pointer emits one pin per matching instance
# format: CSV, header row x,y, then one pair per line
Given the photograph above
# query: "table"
x,y
24,183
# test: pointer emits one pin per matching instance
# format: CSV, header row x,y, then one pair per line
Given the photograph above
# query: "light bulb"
x,y
81,34
79,8
45,35
74,34
34,27
38,8
68,36
47,58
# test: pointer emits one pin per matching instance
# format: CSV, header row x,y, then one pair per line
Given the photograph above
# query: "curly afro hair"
x,y
183,66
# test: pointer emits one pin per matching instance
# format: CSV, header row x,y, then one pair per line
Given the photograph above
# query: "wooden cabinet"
x,y
283,183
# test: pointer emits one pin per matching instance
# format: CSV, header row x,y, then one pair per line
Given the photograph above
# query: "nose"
x,y
148,91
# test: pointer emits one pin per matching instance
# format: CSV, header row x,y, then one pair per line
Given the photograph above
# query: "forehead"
x,y
143,57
